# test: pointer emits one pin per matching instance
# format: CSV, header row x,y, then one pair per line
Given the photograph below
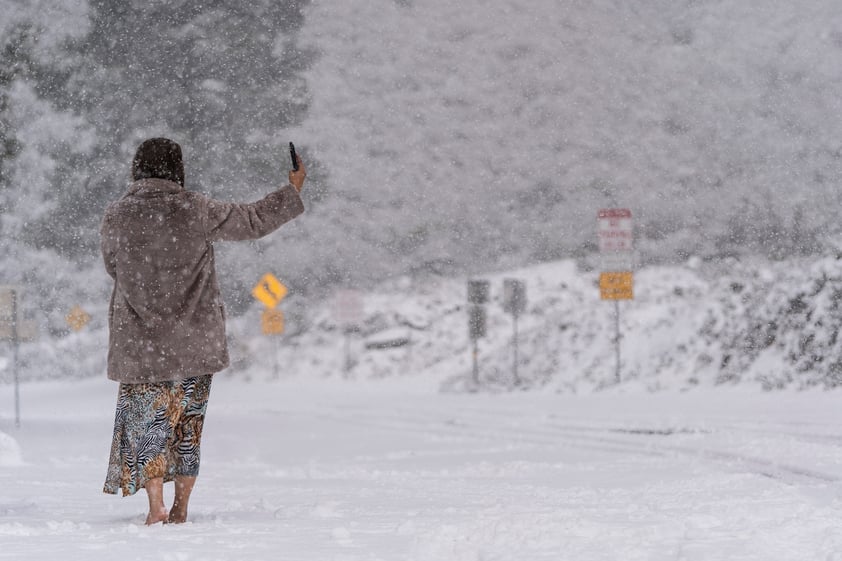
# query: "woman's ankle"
x,y
158,515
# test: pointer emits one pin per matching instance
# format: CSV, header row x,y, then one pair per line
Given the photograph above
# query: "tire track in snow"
x,y
599,438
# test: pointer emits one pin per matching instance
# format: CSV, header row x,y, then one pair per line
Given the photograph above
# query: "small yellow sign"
x,y
272,322
77,318
616,285
269,290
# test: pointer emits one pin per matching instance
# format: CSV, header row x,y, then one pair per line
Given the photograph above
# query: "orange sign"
x,y
269,290
616,286
272,322
77,318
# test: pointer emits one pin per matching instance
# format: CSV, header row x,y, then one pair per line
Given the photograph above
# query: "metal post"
x,y
277,366
15,344
617,337
476,366
477,297
347,351
514,343
408,357
514,302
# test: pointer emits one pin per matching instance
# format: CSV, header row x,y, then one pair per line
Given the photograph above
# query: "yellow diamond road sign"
x,y
269,290
77,318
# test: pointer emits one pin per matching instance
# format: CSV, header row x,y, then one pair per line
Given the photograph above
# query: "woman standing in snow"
x,y
166,319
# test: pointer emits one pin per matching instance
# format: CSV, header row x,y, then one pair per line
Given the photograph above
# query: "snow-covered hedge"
x,y
773,325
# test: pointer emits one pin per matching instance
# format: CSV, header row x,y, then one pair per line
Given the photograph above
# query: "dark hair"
x,y
158,157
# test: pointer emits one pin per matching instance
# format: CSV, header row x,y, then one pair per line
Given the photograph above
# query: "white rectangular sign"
x,y
349,307
614,230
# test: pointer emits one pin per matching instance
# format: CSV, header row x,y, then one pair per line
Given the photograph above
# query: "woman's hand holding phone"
x,y
297,174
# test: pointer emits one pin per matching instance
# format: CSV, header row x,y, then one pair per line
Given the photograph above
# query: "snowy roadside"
x,y
389,470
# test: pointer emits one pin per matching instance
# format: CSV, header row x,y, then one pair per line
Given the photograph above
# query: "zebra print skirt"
x,y
157,432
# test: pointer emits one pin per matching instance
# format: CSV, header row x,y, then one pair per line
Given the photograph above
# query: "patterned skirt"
x,y
157,432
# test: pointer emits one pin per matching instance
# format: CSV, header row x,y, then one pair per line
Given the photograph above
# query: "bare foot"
x,y
158,516
155,493
177,516
183,487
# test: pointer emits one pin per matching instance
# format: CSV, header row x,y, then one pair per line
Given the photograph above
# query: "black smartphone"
x,y
293,157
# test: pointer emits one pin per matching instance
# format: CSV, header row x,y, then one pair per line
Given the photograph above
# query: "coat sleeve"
x,y
233,221
107,246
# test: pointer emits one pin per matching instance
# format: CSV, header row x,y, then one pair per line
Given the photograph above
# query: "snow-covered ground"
x,y
394,470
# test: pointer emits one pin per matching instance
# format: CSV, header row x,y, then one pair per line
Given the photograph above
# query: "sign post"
x,y
514,302
477,297
270,291
10,321
349,312
616,281
16,329
15,350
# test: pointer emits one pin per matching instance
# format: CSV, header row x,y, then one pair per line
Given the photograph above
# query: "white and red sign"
x,y
616,242
614,230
